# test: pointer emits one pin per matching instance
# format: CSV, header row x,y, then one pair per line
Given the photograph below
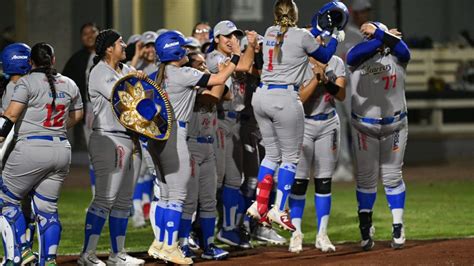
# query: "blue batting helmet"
x,y
16,59
169,46
331,15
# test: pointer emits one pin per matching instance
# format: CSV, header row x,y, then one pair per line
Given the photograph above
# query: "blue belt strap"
x,y
206,139
9,193
278,86
50,138
380,121
182,124
232,115
322,117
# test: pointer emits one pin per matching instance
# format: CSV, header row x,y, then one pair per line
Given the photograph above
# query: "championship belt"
x,y
142,106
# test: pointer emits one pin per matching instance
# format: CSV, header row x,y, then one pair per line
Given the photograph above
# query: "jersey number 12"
x,y
55,119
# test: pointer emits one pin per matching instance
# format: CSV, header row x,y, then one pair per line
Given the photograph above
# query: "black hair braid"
x,y
105,39
42,56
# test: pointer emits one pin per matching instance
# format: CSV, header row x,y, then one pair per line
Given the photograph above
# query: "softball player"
x,y
15,61
228,146
320,148
44,104
173,157
203,183
378,71
278,109
115,156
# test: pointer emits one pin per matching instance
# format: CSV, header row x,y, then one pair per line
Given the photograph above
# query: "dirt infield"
x,y
429,252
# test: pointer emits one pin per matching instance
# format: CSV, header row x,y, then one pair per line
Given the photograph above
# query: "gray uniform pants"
x,y
203,183
228,152
174,164
379,152
38,165
280,117
320,149
116,159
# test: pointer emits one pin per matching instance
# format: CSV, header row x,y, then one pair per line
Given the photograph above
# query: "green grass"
x,y
438,209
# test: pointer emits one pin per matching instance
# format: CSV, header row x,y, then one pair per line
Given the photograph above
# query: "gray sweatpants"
x,y
379,152
38,165
116,159
174,164
203,183
320,149
280,116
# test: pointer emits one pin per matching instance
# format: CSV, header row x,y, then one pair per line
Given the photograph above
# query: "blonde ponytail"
x,y
286,16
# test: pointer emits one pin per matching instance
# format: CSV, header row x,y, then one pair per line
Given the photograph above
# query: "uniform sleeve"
x,y
213,60
337,67
76,103
189,77
100,83
309,43
21,92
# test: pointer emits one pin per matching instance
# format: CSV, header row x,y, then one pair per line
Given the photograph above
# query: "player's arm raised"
x,y
223,74
246,62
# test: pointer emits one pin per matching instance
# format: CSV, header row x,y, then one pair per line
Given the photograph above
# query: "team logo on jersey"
x,y
374,69
59,95
396,141
143,107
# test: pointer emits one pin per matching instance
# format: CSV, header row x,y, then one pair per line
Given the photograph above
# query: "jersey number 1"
x,y
270,60
57,119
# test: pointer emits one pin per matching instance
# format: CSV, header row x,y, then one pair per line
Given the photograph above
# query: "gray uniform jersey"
x,y
39,118
7,96
181,89
294,50
237,88
203,121
101,81
321,102
378,87
147,67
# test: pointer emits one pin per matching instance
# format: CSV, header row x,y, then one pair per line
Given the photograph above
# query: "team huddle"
x,y
225,142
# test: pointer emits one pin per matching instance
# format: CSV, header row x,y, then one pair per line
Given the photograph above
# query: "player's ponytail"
x,y
286,16
42,55
160,76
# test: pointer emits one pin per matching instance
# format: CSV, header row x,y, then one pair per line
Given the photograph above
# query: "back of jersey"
x,y
40,117
290,65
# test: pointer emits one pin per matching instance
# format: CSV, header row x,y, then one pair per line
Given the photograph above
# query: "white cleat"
x,y
154,249
282,218
89,259
252,211
269,235
296,242
368,244
324,244
123,259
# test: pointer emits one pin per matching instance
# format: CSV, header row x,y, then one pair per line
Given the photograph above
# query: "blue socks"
x,y
366,199
286,177
207,228
230,201
172,218
95,220
118,221
323,208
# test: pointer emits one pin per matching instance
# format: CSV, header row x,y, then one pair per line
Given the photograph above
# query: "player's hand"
x,y
368,29
139,49
234,42
2,139
252,38
140,74
319,70
339,35
395,32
